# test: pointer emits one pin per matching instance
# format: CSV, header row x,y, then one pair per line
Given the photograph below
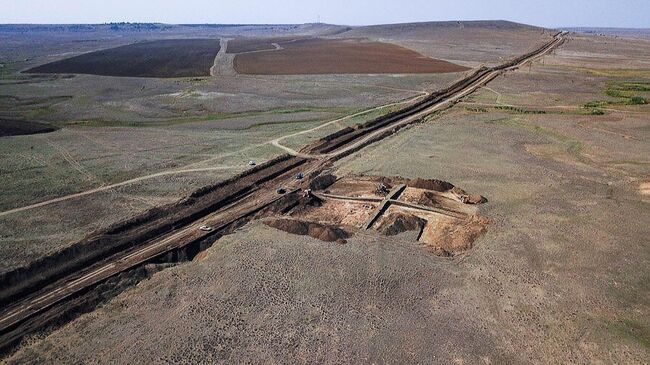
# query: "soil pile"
x,y
427,199
450,238
319,231
469,198
322,181
475,199
430,184
396,223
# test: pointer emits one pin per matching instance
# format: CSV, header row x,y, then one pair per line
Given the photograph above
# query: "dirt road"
x,y
189,168
223,62
113,186
276,142
243,203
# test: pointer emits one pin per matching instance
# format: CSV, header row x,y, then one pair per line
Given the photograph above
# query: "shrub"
x,y
595,104
637,100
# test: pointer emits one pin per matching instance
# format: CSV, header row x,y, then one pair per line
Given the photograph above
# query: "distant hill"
x,y
220,29
620,32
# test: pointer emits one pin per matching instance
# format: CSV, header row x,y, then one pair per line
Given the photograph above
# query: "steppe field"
x,y
550,162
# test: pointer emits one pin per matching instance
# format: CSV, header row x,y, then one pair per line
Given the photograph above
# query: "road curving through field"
x,y
226,205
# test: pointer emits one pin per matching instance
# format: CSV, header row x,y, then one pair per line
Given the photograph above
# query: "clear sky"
x,y
550,13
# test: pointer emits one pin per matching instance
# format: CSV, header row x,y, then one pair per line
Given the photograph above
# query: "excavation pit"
x,y
446,218
319,231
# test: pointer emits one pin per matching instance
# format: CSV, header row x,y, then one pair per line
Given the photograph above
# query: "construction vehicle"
x,y
382,189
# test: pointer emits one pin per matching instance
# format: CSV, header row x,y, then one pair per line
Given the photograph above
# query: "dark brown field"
x,y
10,127
163,58
247,44
324,56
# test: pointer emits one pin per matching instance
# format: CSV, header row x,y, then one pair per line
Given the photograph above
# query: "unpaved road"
x,y
481,82
113,186
276,142
188,168
223,62
36,303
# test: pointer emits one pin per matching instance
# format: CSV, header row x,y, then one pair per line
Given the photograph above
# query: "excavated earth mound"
x,y
469,198
449,238
396,223
319,231
430,184
322,181
475,199
427,199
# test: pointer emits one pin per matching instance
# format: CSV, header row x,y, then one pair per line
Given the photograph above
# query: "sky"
x,y
548,13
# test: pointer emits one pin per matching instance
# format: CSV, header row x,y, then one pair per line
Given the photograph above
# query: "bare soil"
x,y
241,45
10,127
346,56
448,230
163,58
319,231
430,184
450,237
394,224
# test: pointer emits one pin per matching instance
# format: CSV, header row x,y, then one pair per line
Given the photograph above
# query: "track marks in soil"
x,y
113,186
65,154
192,167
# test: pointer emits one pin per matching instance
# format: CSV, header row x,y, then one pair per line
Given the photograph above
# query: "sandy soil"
x,y
223,62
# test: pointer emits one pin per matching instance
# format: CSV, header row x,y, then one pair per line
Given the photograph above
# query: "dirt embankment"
x,y
322,181
429,184
121,236
396,223
319,231
447,237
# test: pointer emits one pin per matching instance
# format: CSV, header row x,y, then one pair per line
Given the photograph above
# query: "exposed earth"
x,y
512,226
340,56
20,127
165,58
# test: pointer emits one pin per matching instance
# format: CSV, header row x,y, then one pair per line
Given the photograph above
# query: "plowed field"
x,y
349,56
163,58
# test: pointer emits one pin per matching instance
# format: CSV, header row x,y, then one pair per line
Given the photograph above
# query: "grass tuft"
x,y
519,110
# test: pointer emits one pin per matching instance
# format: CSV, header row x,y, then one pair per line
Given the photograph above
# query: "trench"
x,y
17,284
95,296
